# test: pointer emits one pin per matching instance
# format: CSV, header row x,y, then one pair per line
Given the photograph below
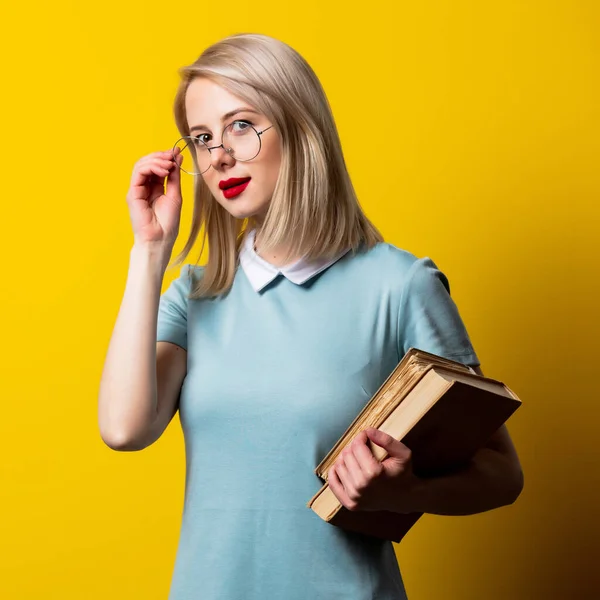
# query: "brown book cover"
x,y
444,418
392,391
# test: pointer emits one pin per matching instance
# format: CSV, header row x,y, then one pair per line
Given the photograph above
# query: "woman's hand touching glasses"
x,y
155,214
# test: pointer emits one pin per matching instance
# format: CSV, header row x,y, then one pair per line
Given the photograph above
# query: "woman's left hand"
x,y
361,482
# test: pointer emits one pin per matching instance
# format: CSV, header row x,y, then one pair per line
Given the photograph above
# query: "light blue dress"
x,y
274,378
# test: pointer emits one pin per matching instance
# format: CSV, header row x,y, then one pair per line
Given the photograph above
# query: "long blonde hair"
x,y
314,211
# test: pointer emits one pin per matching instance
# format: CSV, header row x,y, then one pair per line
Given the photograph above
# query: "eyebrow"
x,y
226,116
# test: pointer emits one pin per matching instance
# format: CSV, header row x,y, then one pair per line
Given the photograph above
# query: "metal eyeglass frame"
x,y
228,150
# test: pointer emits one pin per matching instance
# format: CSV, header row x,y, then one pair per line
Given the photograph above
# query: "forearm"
x,y
488,482
127,396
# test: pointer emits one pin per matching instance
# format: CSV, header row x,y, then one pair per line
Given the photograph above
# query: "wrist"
x,y
154,256
160,251
417,493
410,497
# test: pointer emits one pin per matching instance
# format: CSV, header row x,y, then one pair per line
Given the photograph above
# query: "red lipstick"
x,y
234,186
233,181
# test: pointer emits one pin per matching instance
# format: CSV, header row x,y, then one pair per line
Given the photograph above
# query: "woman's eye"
x,y
242,126
239,126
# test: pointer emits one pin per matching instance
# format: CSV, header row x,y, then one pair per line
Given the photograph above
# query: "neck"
x,y
273,256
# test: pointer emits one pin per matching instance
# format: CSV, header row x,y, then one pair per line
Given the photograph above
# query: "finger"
x,y
165,153
337,487
156,157
174,166
173,181
166,163
363,455
347,481
159,157
393,446
353,468
151,168
143,172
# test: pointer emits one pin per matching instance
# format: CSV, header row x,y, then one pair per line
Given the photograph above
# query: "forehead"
x,y
206,102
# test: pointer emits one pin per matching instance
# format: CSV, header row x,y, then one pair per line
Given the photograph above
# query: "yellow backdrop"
x,y
485,114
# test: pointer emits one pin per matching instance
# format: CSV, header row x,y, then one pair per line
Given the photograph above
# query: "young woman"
x,y
271,348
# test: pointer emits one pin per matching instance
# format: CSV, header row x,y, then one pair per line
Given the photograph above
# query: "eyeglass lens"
x,y
240,140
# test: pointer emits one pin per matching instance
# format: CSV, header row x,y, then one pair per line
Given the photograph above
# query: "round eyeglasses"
x,y
239,139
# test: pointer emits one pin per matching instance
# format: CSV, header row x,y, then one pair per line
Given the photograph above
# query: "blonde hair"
x,y
314,211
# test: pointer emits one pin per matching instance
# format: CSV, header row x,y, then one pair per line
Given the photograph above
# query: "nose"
x,y
221,156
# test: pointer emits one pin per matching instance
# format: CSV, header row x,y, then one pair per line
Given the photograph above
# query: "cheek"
x,y
266,175
274,165
212,183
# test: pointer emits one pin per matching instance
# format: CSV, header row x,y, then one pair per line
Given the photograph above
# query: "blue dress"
x,y
274,378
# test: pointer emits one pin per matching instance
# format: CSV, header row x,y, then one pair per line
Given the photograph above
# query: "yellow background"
x,y
471,131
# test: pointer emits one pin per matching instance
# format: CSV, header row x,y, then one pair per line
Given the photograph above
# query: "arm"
x,y
492,479
428,319
134,405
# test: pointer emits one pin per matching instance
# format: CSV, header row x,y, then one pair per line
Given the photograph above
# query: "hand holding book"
x,y
444,413
361,482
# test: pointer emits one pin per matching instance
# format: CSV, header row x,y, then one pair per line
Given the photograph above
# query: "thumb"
x,y
393,446
174,178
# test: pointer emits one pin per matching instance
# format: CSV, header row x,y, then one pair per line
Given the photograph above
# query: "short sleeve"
x,y
428,318
173,310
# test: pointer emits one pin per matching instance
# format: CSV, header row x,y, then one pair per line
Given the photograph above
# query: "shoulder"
x,y
183,284
399,271
384,256
191,272
396,262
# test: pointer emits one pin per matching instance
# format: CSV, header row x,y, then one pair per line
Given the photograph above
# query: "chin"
x,y
241,214
241,209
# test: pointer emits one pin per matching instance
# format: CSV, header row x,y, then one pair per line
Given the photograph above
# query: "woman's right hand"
x,y
154,214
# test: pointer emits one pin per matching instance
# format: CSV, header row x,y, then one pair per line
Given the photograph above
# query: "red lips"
x,y
226,183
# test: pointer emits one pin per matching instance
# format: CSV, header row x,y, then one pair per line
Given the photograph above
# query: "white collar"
x,y
260,272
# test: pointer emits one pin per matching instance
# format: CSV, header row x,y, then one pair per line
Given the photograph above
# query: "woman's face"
x,y
206,105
